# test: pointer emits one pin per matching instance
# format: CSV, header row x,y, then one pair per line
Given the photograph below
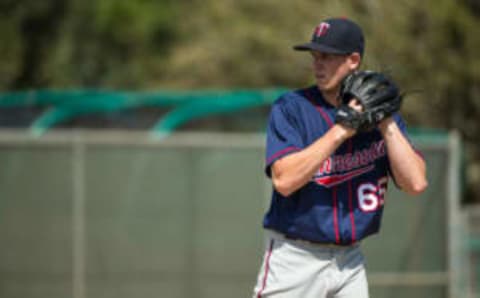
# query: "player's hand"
x,y
356,105
349,117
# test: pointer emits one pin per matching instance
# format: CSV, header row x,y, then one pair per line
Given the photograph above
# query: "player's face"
x,y
330,69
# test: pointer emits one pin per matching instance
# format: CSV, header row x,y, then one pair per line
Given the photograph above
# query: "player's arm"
x,y
293,171
408,168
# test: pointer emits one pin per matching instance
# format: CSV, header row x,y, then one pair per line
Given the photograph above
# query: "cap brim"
x,y
312,46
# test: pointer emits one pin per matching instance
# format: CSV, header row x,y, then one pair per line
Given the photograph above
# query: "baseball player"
x,y
330,151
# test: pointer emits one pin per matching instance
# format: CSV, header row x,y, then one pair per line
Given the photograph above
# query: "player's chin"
x,y
321,83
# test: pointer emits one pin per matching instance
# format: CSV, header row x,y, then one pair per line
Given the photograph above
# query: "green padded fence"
x,y
184,106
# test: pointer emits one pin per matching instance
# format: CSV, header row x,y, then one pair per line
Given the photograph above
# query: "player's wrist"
x,y
342,132
387,125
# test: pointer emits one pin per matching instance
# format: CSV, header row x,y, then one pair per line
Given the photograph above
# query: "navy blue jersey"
x,y
343,202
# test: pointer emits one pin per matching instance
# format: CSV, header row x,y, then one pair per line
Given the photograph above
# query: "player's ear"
x,y
354,60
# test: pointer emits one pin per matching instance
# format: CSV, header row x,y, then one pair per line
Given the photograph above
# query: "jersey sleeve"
x,y
283,134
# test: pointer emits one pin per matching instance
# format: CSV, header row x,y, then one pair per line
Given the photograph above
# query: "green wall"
x,y
176,218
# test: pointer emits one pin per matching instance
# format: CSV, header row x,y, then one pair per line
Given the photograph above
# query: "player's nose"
x,y
318,64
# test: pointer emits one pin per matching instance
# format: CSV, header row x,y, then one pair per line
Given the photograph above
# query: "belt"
x,y
323,244
313,243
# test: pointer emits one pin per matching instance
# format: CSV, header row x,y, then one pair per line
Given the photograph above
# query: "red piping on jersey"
x,y
267,268
335,216
350,198
324,115
281,152
319,109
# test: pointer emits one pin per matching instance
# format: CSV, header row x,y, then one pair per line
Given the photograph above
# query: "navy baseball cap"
x,y
335,36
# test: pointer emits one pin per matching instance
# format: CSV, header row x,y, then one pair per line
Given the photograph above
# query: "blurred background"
x,y
132,142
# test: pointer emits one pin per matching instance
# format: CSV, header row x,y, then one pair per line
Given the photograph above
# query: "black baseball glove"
x,y
378,95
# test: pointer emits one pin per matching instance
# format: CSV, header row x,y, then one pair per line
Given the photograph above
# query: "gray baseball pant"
x,y
300,269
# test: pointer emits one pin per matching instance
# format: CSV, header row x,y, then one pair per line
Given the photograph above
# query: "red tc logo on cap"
x,y
321,29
